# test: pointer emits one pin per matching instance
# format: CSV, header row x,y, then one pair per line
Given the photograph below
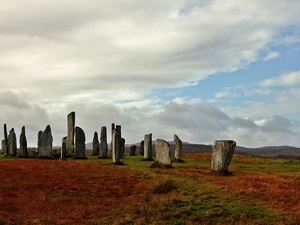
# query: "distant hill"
x,y
285,152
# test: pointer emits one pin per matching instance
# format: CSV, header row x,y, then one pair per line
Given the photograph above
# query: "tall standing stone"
x,y
132,150
111,137
23,144
178,148
163,158
63,151
222,153
45,143
95,144
116,141
6,150
103,143
79,144
148,147
12,142
71,131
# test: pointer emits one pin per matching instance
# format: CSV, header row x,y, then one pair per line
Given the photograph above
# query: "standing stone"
x,y
163,158
95,144
6,150
119,130
79,144
63,152
39,140
132,150
122,146
103,143
148,147
111,142
3,147
142,148
45,143
178,149
12,142
222,153
23,144
71,131
116,141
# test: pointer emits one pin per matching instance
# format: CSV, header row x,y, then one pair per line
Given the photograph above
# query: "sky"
x,y
204,70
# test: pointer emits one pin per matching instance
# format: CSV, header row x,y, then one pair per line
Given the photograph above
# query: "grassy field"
x,y
95,191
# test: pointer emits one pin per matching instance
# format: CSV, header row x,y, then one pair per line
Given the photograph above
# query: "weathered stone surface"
x,y
222,153
148,146
119,130
122,146
162,149
79,144
71,132
95,144
63,152
12,142
132,150
116,141
103,143
38,139
141,148
45,143
178,148
6,150
3,146
23,143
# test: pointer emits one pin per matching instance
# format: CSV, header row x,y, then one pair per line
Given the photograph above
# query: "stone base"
x,y
119,163
10,155
61,159
159,165
99,157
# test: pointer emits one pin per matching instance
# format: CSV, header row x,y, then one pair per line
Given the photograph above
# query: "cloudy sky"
x,y
204,70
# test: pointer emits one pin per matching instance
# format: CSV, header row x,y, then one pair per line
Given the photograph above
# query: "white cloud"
x,y
271,55
106,59
286,79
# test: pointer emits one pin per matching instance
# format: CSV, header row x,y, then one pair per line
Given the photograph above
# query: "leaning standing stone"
x,y
23,144
45,143
71,131
12,142
79,144
95,144
163,158
178,149
6,150
222,153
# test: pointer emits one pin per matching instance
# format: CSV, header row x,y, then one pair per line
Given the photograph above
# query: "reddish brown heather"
x,y
55,192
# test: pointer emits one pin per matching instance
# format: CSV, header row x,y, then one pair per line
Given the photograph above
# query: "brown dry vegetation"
x,y
95,191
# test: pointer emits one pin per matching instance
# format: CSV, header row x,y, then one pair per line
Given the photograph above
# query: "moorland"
x,y
95,191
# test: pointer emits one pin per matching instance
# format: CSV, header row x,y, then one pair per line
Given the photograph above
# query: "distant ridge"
x,y
283,152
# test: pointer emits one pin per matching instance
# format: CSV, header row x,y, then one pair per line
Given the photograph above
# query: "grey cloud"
x,y
247,123
278,124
